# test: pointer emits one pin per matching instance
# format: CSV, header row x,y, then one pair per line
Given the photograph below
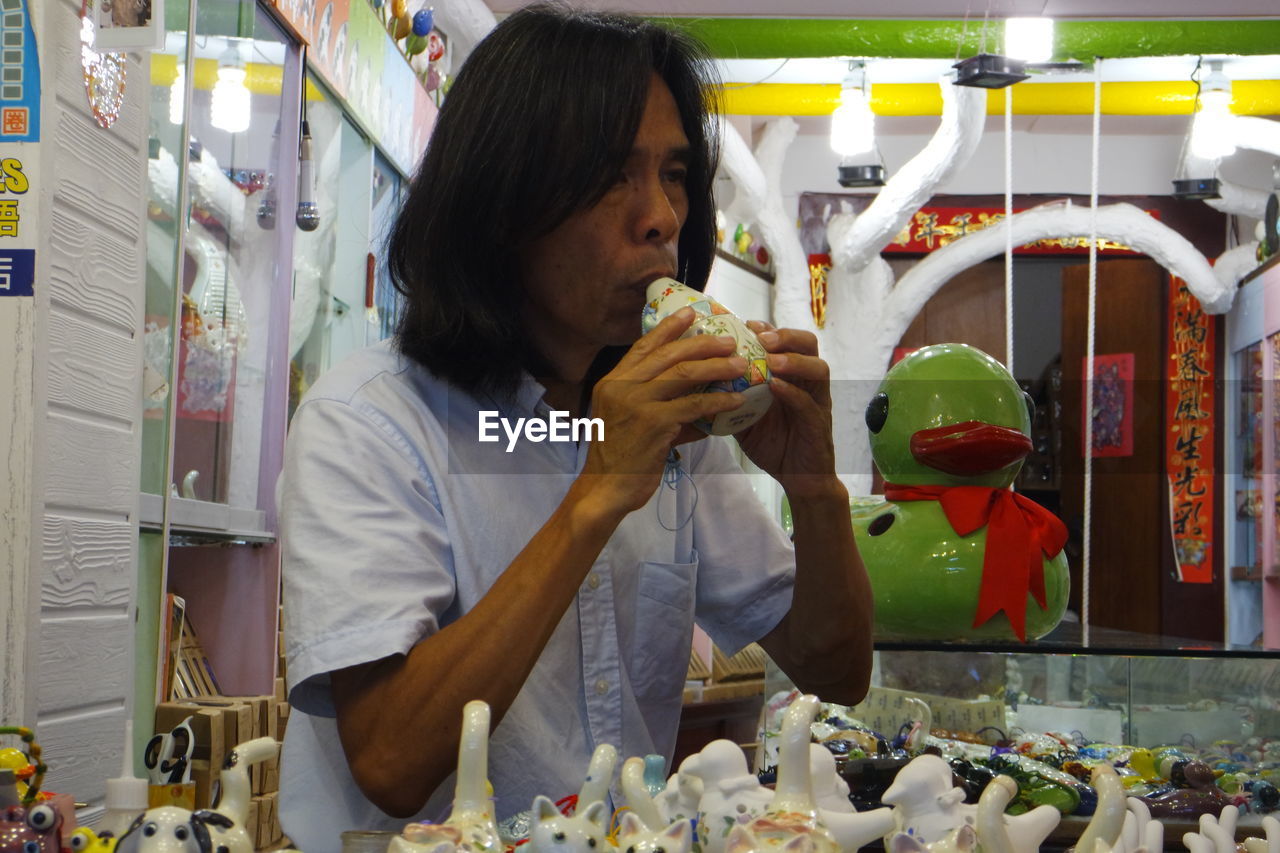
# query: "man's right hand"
x,y
647,408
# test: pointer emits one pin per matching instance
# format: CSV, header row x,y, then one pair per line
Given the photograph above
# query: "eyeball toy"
x,y
665,297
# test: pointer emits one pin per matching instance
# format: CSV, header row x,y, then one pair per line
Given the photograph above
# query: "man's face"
x,y
585,281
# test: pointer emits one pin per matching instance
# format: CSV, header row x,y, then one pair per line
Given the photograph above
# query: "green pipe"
x,y
772,38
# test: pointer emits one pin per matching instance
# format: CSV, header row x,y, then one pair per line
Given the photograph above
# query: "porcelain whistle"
x,y
665,296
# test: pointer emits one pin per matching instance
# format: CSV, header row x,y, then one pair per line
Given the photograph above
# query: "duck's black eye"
x,y
877,412
591,842
559,836
880,524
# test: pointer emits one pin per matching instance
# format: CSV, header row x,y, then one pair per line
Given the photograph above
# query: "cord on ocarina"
x,y
666,296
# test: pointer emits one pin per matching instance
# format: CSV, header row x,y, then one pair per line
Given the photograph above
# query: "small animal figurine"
x,y
1200,797
34,829
587,827
85,840
952,552
26,825
470,826
170,829
929,807
666,296
731,794
682,794
553,832
792,822
635,837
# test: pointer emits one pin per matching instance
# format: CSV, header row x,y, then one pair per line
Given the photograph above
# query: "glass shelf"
x,y
1068,639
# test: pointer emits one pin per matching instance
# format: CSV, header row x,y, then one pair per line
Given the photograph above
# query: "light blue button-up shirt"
x,y
395,521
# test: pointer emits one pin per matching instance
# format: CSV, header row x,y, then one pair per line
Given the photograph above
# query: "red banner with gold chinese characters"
x,y
1189,439
934,227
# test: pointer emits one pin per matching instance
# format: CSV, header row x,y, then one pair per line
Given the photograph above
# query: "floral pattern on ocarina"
x,y
665,297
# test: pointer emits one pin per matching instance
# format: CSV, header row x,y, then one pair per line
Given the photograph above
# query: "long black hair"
x,y
535,127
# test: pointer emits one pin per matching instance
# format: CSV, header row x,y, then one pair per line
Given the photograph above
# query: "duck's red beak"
x,y
969,448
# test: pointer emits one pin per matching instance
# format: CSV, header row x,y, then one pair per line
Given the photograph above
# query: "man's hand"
x,y
793,442
647,408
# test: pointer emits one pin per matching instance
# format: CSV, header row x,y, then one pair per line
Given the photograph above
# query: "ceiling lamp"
x,y
1029,39
989,71
853,133
1208,140
1211,124
229,103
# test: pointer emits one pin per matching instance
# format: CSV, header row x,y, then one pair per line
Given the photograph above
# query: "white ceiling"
x,y
1155,9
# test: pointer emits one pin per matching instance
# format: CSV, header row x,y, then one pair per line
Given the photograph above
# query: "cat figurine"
x,y
553,832
635,837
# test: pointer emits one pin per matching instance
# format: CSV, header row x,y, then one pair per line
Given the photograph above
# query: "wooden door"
x,y
1129,518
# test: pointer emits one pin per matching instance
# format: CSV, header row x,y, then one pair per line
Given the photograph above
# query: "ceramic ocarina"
x,y
666,296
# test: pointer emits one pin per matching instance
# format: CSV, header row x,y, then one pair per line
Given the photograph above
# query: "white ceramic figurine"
x,y
170,829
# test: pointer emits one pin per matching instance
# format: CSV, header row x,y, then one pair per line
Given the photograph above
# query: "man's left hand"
x,y
793,441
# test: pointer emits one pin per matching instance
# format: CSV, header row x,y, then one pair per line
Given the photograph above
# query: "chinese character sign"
x,y
19,133
1189,436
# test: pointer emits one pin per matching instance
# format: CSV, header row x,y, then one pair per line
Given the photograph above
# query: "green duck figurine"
x,y
952,552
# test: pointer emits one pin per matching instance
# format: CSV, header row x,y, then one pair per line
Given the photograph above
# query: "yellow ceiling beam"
x,y
1249,97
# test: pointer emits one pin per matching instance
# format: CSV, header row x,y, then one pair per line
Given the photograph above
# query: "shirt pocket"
x,y
664,629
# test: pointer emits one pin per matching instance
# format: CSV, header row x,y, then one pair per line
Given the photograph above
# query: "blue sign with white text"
x,y
17,272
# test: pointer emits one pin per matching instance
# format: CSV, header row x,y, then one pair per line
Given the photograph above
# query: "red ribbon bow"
x,y
1019,531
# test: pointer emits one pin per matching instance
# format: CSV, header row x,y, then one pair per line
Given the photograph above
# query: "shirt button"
x,y
593,580
602,687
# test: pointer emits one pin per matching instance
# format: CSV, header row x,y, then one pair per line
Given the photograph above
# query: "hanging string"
x,y
671,476
1008,231
964,31
1090,345
986,13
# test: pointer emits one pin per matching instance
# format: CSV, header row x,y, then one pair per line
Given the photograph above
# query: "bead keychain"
x,y
33,753
671,475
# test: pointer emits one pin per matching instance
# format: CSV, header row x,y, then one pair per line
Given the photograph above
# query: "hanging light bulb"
x,y
853,133
1029,39
178,95
229,104
1211,126
853,125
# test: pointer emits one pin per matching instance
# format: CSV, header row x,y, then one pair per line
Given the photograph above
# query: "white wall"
x,y
87,414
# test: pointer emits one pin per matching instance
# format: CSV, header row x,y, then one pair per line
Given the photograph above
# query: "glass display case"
x,y
1253,334
342,297
222,161
248,301
1062,699
217,294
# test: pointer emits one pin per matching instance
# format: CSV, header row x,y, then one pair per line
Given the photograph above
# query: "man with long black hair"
x,y
571,165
